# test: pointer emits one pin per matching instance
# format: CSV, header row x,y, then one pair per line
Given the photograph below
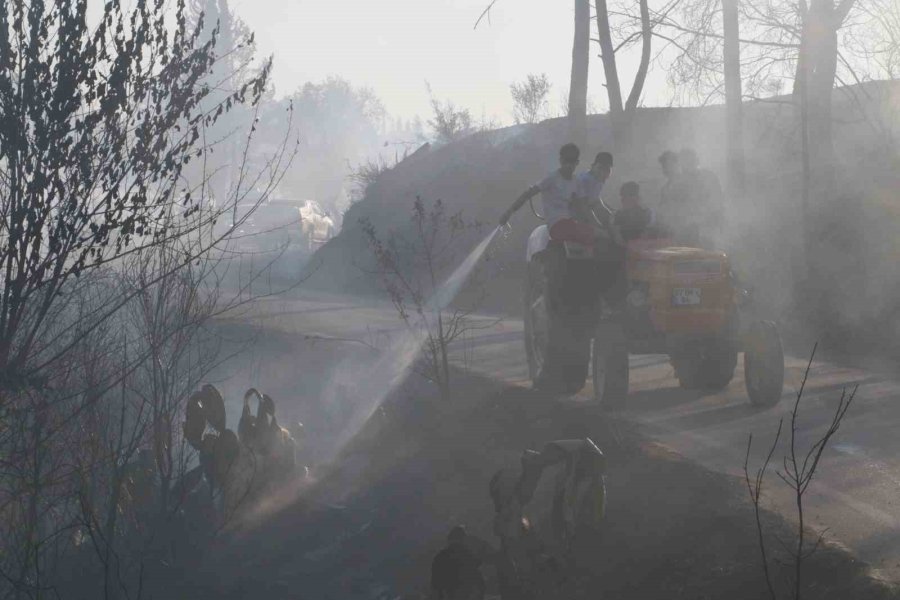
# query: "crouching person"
x,y
456,570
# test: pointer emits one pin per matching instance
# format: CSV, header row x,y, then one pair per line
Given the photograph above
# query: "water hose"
x,y
533,210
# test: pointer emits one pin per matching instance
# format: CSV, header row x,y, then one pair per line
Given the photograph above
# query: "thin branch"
x,y
485,13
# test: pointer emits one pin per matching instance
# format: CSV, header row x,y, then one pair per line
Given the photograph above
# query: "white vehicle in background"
x,y
301,225
316,225
279,234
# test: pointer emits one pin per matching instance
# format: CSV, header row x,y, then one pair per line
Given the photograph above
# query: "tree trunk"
x,y
813,88
801,98
608,56
579,81
802,51
820,90
110,562
816,70
734,125
646,42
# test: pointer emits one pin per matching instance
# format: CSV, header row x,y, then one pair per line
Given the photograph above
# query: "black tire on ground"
x,y
709,366
533,303
609,369
764,364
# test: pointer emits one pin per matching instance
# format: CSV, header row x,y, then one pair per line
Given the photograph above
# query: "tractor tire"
x,y
535,318
609,367
764,364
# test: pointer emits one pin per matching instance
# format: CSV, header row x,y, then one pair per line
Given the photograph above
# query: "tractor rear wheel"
x,y
609,366
536,319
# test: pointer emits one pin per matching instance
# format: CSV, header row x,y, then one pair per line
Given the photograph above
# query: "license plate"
x,y
685,296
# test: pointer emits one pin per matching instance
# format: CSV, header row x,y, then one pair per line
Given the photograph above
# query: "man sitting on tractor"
x,y
574,287
633,220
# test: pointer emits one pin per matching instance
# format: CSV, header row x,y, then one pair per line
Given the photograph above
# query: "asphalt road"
x,y
854,496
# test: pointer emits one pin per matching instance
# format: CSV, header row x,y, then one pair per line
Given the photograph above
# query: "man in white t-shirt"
x,y
557,189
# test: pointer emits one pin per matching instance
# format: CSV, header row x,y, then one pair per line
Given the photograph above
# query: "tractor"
x,y
682,302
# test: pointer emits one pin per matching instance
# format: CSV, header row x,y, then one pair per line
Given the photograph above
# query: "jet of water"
x,y
450,288
384,374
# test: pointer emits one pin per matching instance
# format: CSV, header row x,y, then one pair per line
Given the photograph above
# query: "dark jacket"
x,y
633,222
455,574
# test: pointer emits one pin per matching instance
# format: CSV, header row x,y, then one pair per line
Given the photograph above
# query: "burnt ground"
x,y
370,524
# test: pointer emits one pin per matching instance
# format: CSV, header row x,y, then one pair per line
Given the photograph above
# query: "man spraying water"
x,y
568,249
558,190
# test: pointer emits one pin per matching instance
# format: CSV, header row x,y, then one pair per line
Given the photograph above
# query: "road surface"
x,y
855,497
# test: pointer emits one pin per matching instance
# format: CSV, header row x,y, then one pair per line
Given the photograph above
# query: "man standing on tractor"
x,y
691,200
557,190
573,286
609,245
675,209
704,197
590,184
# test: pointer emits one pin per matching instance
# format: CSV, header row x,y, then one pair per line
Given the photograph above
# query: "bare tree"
x,y
530,98
97,127
412,267
577,99
100,124
808,46
234,45
734,124
622,113
578,82
798,471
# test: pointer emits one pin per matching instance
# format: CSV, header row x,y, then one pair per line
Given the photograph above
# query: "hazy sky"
x,y
394,46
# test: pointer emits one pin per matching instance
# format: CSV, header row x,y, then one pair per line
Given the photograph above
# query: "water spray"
x,y
450,288
382,376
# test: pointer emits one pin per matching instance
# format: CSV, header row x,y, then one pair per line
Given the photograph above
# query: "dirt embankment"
x,y
370,526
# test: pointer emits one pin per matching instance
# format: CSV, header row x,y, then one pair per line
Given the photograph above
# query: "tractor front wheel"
x,y
764,364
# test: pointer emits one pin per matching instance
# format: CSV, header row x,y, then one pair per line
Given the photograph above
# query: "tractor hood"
x,y
661,250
